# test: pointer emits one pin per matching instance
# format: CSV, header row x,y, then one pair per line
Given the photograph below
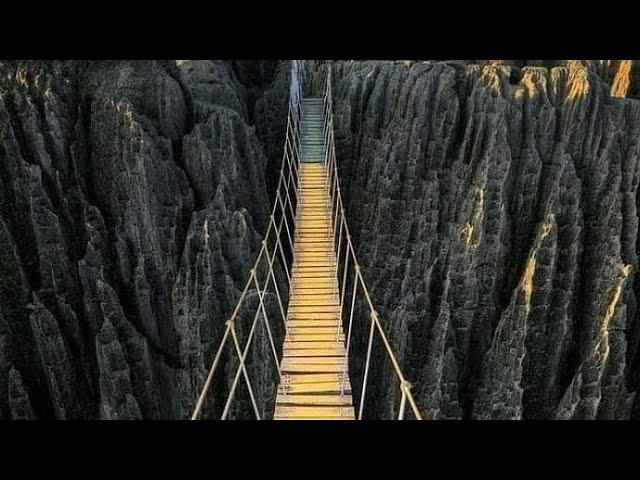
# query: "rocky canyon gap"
x,y
493,204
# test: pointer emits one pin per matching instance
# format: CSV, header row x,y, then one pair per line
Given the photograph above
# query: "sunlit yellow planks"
x,y
315,384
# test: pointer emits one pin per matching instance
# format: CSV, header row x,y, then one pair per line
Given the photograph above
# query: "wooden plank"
x,y
311,323
311,285
317,345
310,281
312,368
320,329
328,400
320,412
317,269
310,293
328,276
310,243
315,337
326,258
313,360
321,302
319,387
295,379
315,302
301,264
315,283
298,419
332,279
303,217
319,352
318,235
311,271
313,228
313,316
321,243
314,295
312,289
314,308
327,270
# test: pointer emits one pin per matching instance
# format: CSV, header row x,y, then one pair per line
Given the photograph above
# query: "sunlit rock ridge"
x,y
493,205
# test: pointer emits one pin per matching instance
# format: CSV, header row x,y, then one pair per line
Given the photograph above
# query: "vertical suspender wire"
x,y
353,305
334,208
403,405
366,365
344,278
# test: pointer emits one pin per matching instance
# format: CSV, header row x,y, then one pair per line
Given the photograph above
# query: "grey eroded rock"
x,y
493,205
132,198
451,170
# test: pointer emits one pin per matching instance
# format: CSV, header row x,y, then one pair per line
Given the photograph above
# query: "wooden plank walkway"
x,y
315,384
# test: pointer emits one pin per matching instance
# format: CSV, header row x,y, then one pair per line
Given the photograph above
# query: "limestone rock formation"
x,y
493,205
514,251
132,199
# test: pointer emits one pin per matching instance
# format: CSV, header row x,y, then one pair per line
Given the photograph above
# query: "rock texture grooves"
x,y
133,196
508,281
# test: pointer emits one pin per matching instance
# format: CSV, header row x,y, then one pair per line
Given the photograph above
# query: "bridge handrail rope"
x,y
338,215
289,169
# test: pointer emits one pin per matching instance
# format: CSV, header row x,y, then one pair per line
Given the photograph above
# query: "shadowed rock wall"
x,y
132,197
494,208
493,205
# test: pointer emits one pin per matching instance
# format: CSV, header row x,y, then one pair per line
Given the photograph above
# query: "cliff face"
x,y
493,206
132,195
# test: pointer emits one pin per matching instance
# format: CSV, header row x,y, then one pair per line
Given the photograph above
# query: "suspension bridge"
x,y
308,242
